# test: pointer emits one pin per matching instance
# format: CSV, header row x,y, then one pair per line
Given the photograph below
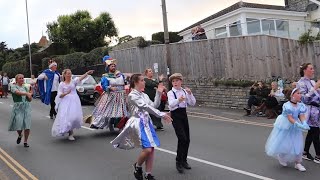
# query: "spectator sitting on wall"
x,y
193,34
293,85
273,100
254,99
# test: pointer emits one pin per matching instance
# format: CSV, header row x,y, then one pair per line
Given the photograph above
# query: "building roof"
x,y
235,7
43,41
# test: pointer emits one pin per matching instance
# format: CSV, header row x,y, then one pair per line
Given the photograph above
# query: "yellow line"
x,y
18,165
13,168
236,121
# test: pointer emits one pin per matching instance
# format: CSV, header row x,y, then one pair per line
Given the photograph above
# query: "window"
x,y
221,32
235,29
282,28
268,27
253,26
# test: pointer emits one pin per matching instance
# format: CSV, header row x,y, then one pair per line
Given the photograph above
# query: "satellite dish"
x,y
312,6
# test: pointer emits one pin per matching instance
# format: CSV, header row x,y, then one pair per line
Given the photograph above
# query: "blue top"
x,y
45,93
282,121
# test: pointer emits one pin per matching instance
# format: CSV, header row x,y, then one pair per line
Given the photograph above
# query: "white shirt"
x,y
5,80
55,84
174,102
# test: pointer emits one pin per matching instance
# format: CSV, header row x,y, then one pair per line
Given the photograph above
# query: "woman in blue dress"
x,y
285,142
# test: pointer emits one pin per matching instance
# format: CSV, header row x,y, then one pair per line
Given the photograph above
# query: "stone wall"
x,y
219,96
298,5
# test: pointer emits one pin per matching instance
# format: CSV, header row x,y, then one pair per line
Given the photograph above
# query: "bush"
x,y
94,57
17,67
37,58
73,61
57,59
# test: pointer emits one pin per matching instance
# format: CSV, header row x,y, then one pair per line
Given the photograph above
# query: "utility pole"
x,y
30,61
166,40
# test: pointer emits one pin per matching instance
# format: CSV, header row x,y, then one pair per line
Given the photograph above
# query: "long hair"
x,y
64,73
303,67
134,79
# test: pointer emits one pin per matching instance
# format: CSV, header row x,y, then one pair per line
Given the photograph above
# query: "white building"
x,y
242,19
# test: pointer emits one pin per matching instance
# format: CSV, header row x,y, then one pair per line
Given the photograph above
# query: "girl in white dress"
x,y
68,106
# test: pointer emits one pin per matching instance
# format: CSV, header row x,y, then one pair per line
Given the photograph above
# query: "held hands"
x,y
161,88
68,92
188,91
90,72
303,126
161,77
182,98
113,88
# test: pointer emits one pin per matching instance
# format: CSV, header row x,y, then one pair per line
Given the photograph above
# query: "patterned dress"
x,y
21,111
311,98
139,131
111,104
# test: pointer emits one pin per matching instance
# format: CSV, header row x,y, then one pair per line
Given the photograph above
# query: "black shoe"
x,y
138,174
160,128
149,177
247,109
26,145
93,127
317,159
186,165
179,167
307,156
19,139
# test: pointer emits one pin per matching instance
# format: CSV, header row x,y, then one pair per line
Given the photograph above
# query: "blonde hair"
x,y
64,73
17,76
146,71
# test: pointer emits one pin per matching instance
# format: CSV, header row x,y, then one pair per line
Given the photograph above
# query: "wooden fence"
x,y
248,58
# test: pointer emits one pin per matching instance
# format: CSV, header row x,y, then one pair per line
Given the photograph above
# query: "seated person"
x,y
273,100
254,98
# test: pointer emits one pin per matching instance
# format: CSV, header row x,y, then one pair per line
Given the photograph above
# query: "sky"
x,y
132,17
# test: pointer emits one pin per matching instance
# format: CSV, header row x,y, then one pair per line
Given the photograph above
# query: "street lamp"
x,y
30,61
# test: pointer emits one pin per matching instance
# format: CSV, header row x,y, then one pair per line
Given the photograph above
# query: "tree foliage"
x,y
125,39
173,37
81,32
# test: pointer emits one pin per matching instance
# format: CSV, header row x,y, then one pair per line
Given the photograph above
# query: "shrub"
x,y
17,67
37,58
73,61
94,57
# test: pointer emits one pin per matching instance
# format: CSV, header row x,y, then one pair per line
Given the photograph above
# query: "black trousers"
x,y
313,137
52,103
253,100
181,126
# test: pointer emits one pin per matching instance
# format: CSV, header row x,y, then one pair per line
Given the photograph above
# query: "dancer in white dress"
x,y
68,106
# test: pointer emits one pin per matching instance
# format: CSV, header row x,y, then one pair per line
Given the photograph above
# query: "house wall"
x,y
297,23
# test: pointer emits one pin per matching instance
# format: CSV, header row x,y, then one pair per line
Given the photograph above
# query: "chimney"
x,y
296,5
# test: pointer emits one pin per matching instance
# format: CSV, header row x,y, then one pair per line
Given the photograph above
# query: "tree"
x,y
81,32
125,39
173,37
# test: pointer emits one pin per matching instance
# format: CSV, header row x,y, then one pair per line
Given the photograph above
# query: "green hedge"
x,y
37,57
58,59
74,60
17,67
94,57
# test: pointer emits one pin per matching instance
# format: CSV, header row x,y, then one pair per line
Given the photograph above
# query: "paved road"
x,y
222,147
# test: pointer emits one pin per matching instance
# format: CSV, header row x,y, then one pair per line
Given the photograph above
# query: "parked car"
x,y
86,89
27,82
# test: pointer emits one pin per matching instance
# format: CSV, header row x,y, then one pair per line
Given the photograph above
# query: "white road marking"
x,y
219,165
85,127
48,117
1,102
11,105
209,163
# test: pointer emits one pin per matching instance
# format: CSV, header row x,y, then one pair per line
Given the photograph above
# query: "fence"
x,y
250,57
